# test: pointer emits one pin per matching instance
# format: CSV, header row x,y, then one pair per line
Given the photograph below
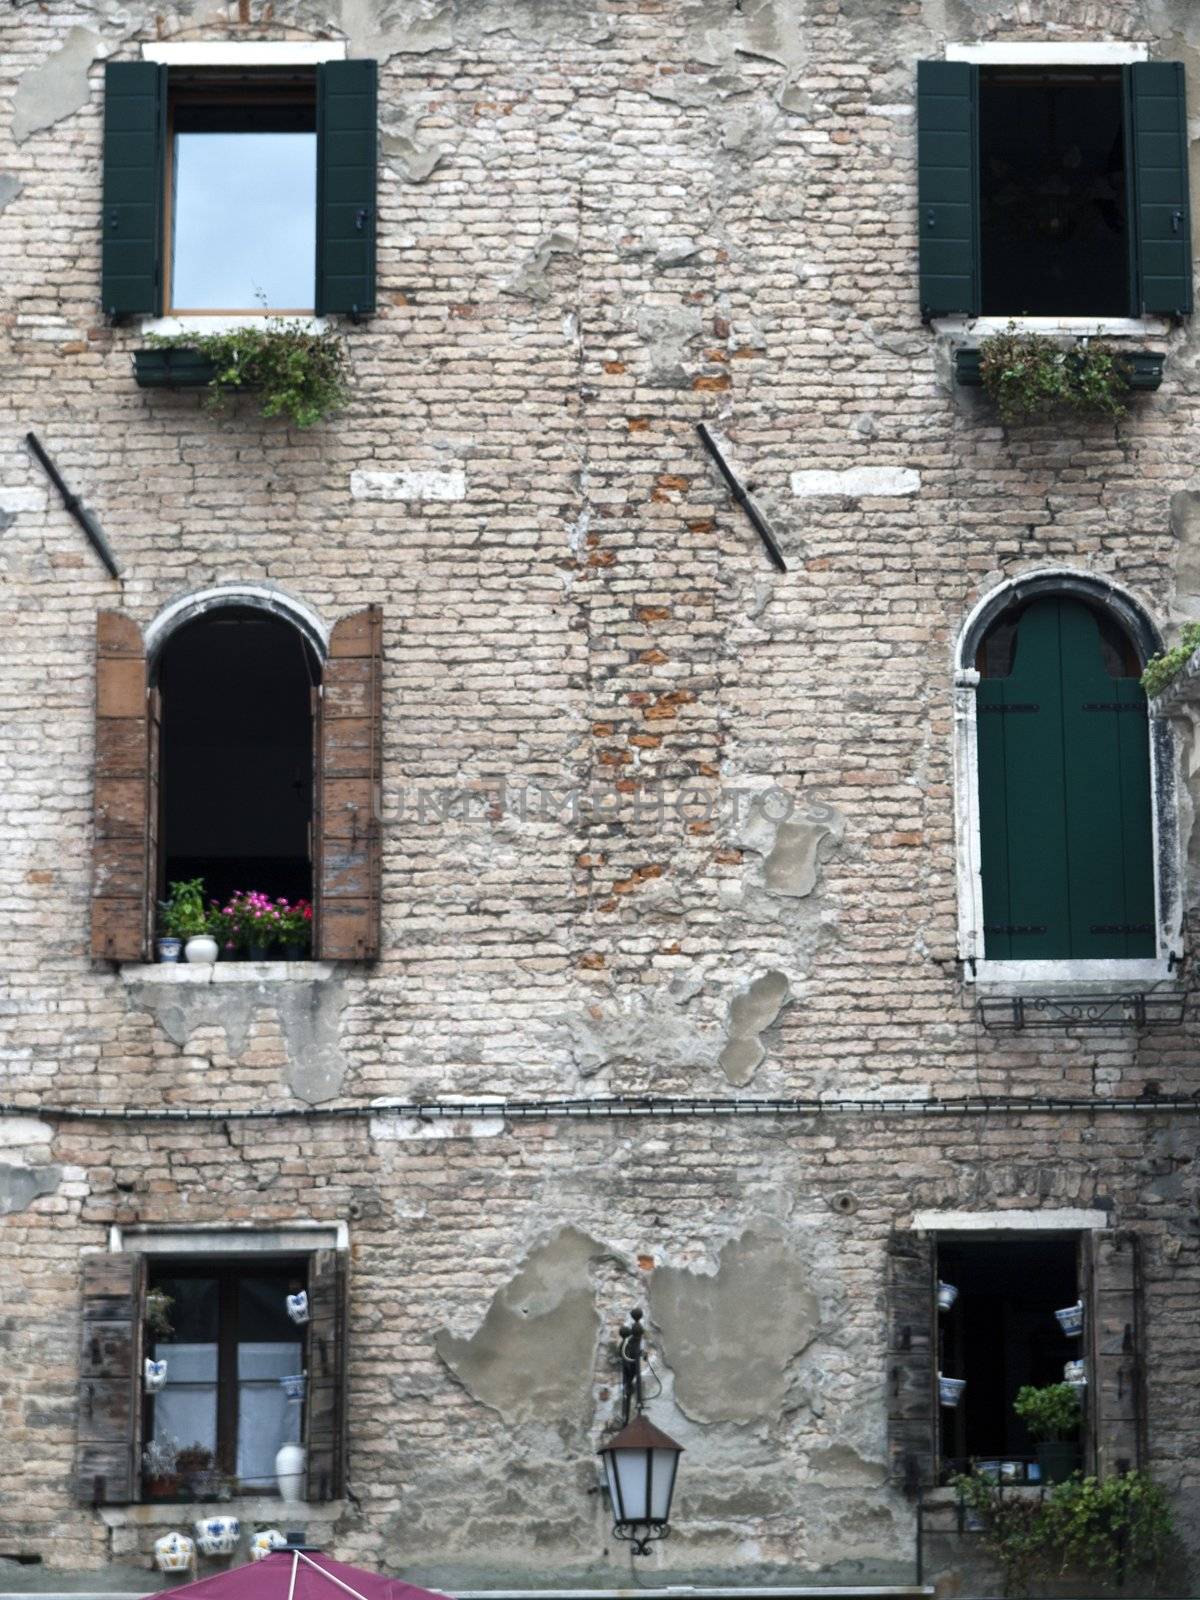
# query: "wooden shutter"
x,y
325,1414
948,187
911,1361
1066,839
108,1458
346,161
121,843
1157,181
1111,1282
135,115
346,786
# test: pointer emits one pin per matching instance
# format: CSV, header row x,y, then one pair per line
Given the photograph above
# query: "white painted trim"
x,y
1050,53
220,1239
1069,1219
260,595
171,327
230,53
1168,904
971,328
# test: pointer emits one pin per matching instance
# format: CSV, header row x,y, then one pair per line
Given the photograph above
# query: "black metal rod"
x,y
761,525
75,506
631,1367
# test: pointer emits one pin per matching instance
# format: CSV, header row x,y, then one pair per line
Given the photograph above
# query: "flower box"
x,y
172,368
1145,368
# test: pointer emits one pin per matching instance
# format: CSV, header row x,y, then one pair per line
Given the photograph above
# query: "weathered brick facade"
x,y
599,225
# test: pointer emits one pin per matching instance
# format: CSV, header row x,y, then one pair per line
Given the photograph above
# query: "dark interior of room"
x,y
1001,1334
1053,231
237,755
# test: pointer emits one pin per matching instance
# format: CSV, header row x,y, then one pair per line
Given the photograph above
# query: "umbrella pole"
x,y
298,1555
292,1581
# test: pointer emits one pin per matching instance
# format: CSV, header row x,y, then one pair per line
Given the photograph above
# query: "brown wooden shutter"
x,y
346,792
121,863
325,1415
1113,1301
108,1460
911,1358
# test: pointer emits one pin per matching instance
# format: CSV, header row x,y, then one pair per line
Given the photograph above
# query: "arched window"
x,y
1068,838
238,743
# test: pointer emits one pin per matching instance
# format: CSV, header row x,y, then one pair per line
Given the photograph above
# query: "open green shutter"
x,y
346,161
135,110
948,187
1158,170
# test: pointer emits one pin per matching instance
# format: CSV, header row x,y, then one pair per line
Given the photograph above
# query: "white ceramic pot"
x,y
217,1536
289,1471
950,1390
264,1542
1075,1373
155,1375
174,1552
168,950
947,1294
201,948
297,1306
1070,1319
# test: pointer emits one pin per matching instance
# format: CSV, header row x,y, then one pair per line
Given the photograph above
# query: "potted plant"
x,y
255,920
160,1470
184,913
1052,1414
295,929
194,1465
157,1314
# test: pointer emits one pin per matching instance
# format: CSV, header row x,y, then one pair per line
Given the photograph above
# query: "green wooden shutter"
x,y
346,161
135,111
1157,167
948,187
1066,842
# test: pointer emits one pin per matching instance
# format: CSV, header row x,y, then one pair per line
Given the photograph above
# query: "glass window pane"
x,y
185,1411
262,1307
244,221
266,1417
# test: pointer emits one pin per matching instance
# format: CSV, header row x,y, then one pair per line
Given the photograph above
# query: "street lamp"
x,y
640,1461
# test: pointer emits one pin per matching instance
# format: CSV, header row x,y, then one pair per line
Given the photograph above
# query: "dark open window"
x,y
237,755
1066,837
224,1405
1000,1335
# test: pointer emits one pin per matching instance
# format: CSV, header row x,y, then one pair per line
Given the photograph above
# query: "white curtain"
x,y
186,1409
266,1418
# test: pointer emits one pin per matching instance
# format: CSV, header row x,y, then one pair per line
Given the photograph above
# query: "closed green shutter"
x,y
1064,798
1158,172
346,161
135,110
948,187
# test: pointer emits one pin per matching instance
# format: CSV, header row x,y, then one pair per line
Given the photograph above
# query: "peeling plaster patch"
x,y
533,1355
751,1013
410,483
545,21
730,1337
1185,525
417,161
180,1011
857,482
638,1029
667,333
57,86
20,1186
403,1128
840,1466
416,31
530,281
771,30
310,1015
10,188
790,866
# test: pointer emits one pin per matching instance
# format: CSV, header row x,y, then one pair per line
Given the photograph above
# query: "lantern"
x,y
640,1464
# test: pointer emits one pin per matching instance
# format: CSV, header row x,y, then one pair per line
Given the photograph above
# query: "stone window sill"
x,y
204,972
267,1509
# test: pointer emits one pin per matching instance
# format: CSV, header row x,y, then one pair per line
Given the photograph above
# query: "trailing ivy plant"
x,y
1032,379
299,374
1161,669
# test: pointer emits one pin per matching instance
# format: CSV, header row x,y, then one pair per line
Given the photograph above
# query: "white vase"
x,y
201,948
289,1471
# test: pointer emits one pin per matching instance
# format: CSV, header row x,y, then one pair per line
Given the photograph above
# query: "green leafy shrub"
x,y
1111,1527
1161,669
1052,1412
1032,379
300,374
1011,1528
182,914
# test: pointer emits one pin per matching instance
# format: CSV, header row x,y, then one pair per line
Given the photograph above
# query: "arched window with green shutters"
x,y
1066,834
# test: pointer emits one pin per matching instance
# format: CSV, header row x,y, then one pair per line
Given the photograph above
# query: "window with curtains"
x,y
224,1410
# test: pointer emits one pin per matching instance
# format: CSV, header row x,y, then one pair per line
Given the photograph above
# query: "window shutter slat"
x,y
121,844
135,109
948,187
346,174
107,1458
347,821
911,1358
325,1415
1116,1383
1159,189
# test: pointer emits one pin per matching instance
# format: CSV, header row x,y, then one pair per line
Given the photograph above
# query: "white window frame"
x,y
1168,877
1052,53
248,56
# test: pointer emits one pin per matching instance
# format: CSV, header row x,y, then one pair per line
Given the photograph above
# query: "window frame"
x,y
1168,878
1051,53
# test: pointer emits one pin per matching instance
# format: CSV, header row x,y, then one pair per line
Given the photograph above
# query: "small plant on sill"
x,y
1161,669
1031,378
300,374
158,1313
